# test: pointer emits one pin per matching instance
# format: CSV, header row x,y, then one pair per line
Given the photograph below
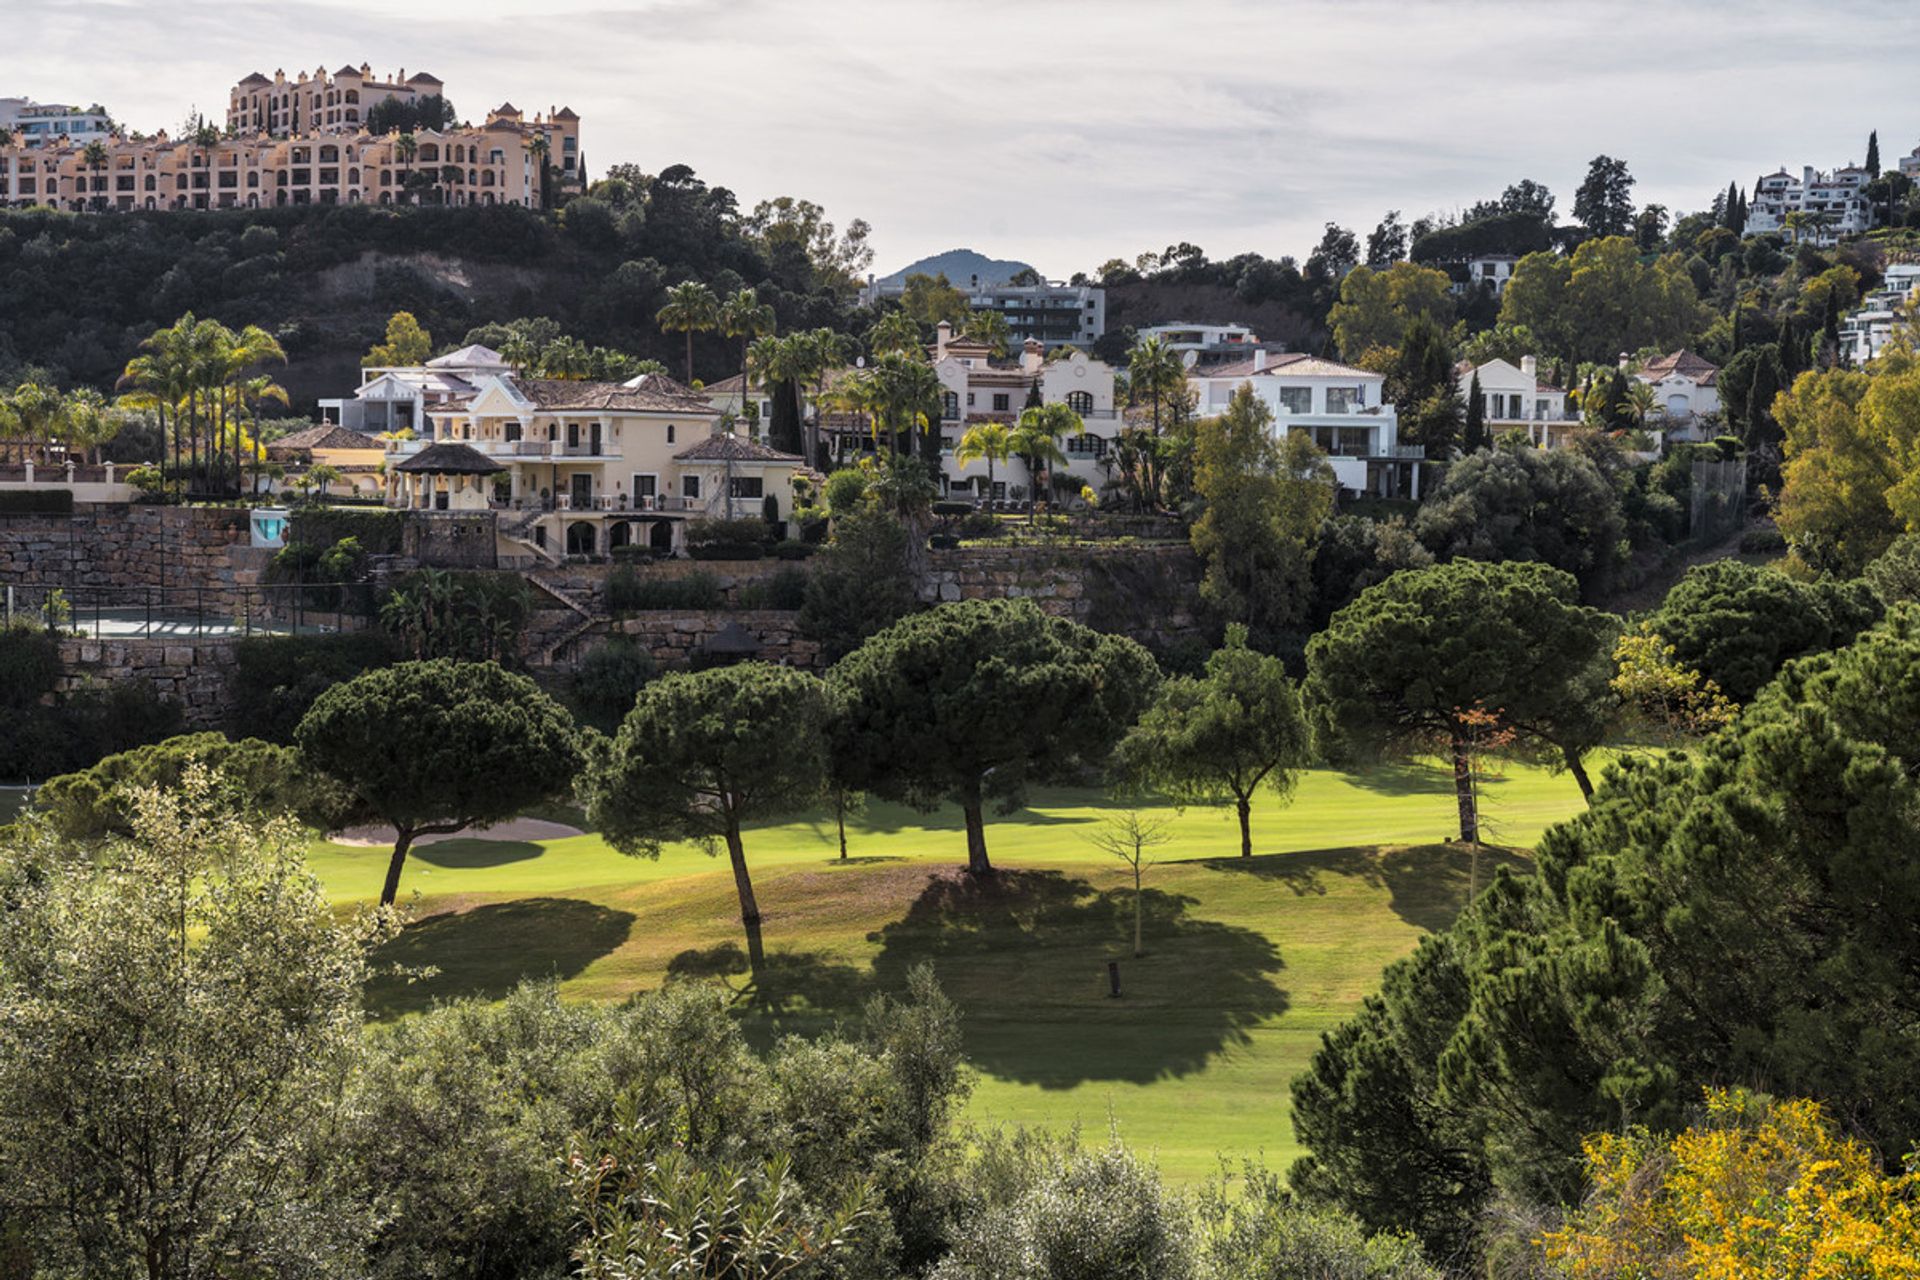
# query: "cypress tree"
x,y
1476,429
1873,154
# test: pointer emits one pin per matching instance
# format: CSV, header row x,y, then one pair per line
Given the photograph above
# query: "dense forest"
x,y
79,292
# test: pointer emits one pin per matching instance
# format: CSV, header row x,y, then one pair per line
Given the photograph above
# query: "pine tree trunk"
x,y
977,861
1245,807
749,909
1139,948
402,842
1463,792
840,820
1577,767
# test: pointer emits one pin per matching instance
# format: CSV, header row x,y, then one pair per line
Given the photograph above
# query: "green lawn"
x,y
1249,960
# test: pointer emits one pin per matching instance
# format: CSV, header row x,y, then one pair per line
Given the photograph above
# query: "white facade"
x,y
1687,388
39,123
1513,396
1910,164
1494,269
1205,345
399,398
1836,200
1867,329
1341,408
1054,314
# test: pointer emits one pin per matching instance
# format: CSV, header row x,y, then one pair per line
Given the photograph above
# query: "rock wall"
x,y
677,637
1149,593
588,582
121,549
450,539
194,673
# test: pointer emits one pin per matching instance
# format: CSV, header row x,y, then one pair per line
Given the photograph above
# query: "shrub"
x,y
793,549
152,484
29,666
377,531
727,539
1763,542
607,681
786,589
629,592
276,678
845,491
52,502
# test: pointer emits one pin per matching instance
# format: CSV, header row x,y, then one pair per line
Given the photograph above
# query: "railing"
x,y
616,502
189,613
1401,453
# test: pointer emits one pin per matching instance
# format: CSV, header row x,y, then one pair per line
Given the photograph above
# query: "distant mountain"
x,y
960,266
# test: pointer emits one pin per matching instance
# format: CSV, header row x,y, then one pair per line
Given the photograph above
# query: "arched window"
x,y
1081,402
950,404
430,154
329,155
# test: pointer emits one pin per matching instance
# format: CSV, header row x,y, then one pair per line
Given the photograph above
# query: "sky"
x,y
1068,132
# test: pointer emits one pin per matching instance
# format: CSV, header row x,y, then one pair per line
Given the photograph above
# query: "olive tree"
x,y
702,753
435,747
975,701
1222,735
1418,660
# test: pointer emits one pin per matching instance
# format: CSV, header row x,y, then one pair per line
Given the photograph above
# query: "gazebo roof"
x,y
449,458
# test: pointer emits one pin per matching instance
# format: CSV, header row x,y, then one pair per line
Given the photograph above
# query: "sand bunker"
x,y
528,829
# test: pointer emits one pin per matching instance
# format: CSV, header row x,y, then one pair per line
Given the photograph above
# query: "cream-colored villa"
x,y
585,468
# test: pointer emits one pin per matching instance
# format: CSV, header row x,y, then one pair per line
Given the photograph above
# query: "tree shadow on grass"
x,y
489,950
1401,778
1025,954
1427,885
467,854
794,990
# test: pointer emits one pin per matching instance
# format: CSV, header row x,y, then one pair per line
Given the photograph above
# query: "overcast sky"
x,y
1066,132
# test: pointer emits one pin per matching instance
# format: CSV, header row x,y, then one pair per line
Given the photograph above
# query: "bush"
x,y
727,539
786,589
629,592
861,583
607,681
29,666
1763,542
845,491
793,549
377,531
276,678
50,502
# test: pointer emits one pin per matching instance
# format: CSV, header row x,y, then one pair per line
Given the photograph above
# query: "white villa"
x,y
1837,202
399,398
1688,387
1515,397
1210,344
1492,269
1868,328
1342,408
585,468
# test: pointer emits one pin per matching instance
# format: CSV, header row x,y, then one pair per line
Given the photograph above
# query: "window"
x,y
1345,399
1081,402
747,487
949,404
669,433
1001,402
690,487
645,486
1296,399
969,399
1086,446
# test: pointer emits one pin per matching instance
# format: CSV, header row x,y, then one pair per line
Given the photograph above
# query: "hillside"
x,y
79,292
1249,960
960,266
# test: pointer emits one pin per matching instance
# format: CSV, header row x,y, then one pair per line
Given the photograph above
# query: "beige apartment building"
x,y
318,102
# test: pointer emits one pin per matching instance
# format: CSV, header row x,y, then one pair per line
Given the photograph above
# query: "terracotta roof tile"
x,y
731,448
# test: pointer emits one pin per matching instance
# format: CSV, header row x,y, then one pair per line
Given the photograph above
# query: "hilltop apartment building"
x,y
38,124
1835,204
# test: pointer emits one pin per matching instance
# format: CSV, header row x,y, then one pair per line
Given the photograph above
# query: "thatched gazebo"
x,y
447,476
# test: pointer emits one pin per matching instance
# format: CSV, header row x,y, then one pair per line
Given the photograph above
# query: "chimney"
x,y
942,335
1033,354
1625,360
1530,367
1259,359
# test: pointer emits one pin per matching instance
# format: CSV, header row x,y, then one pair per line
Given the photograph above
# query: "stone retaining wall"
x,y
676,636
1150,593
195,673
588,582
119,547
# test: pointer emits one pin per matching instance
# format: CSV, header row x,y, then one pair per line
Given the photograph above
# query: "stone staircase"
x,y
517,528
546,645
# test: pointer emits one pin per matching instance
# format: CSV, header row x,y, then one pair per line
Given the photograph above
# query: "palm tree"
x,y
240,354
94,156
207,137
690,308
1155,371
773,362
1640,401
405,148
323,475
159,377
902,395
35,414
520,353
826,351
894,331
89,422
542,153
745,317
989,327
1036,439
989,440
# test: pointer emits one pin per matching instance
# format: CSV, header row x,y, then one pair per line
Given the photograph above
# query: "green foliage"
x,y
470,615
1264,1233
378,532
1550,505
29,666
1352,552
439,746
1411,663
49,502
845,491
1894,574
1223,736
178,1015
254,778
630,592
786,589
1601,300
276,678
48,733
860,583
1737,624
607,681
407,344
1263,503
977,700
715,539
1739,913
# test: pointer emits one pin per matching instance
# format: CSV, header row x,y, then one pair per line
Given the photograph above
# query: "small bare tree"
x,y
1132,839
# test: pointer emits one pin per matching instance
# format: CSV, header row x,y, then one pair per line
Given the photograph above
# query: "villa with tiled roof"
x,y
1688,387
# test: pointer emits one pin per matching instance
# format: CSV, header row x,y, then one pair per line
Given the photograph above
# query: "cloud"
x,y
1068,131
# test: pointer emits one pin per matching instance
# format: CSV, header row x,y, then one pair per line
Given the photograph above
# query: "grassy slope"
x,y
1249,960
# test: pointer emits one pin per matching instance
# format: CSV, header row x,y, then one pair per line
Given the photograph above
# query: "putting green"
x,y
1248,961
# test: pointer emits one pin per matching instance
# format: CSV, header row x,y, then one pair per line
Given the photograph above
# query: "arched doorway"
x,y
619,534
580,539
660,536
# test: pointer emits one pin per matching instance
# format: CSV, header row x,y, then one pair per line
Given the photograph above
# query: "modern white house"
x,y
398,398
39,124
585,468
1202,345
1343,410
1514,397
1836,204
1868,328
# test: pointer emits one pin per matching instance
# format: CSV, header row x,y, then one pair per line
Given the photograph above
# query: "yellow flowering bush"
x,y
1761,1190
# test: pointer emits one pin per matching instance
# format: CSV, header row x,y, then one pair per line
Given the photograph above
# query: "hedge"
x,y
377,529
47,502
